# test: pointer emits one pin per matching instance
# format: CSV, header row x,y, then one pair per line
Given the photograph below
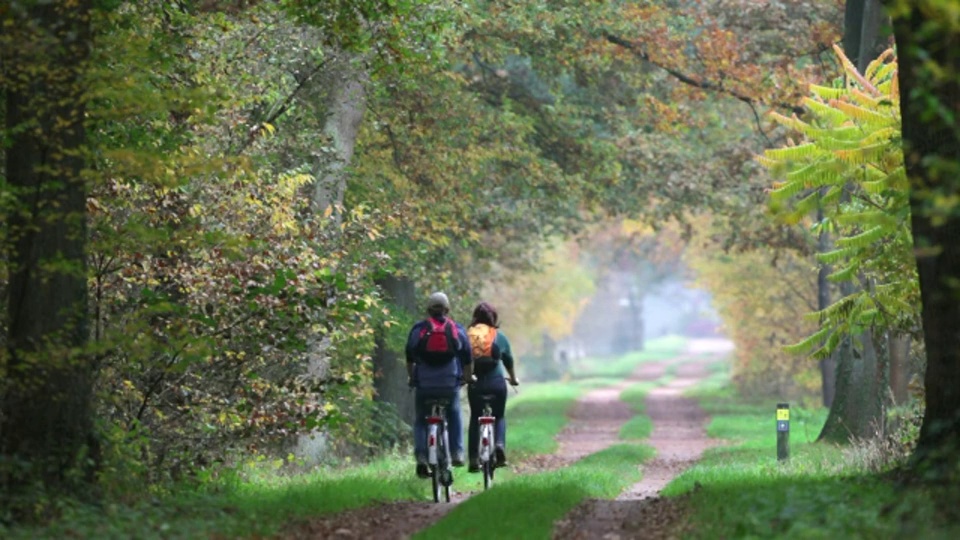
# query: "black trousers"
x,y
495,386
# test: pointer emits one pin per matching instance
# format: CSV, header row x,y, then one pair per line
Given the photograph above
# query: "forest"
x,y
219,220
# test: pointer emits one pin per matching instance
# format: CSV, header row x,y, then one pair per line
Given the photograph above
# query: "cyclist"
x,y
438,361
492,364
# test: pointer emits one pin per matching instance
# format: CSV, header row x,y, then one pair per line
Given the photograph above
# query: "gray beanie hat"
x,y
438,299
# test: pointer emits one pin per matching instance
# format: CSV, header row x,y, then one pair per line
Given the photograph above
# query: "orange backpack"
x,y
486,355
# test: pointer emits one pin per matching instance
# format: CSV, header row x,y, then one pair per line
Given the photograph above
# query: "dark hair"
x,y
484,313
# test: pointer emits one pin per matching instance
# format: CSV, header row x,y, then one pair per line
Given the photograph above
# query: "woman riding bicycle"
x,y
492,364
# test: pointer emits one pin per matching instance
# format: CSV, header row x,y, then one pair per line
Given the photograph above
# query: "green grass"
x,y
257,506
527,506
742,491
537,414
640,426
621,366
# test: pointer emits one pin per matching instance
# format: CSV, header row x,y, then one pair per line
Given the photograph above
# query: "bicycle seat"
x,y
488,397
443,402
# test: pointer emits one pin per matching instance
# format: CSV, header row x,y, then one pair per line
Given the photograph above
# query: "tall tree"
x,y
45,413
928,44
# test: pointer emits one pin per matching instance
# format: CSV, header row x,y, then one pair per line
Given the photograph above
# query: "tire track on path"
x,y
679,438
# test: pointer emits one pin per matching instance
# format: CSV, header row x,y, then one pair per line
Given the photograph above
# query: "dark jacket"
x,y
447,376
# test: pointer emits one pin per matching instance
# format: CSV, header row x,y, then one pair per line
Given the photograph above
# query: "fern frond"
x,y
792,153
865,116
809,342
845,274
836,255
863,155
867,218
864,239
823,111
827,93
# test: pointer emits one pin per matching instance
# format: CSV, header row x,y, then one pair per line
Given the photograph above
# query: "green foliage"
x,y
851,166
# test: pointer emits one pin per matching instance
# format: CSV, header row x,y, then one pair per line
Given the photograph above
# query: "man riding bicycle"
x,y
438,361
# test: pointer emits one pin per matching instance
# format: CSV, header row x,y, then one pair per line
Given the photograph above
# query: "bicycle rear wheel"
x,y
487,474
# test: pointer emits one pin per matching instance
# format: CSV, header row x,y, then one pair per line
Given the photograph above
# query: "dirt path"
x,y
595,423
679,439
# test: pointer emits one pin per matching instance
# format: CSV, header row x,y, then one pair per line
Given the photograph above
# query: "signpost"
x,y
783,431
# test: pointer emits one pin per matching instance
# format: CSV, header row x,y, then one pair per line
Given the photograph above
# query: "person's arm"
x,y
506,356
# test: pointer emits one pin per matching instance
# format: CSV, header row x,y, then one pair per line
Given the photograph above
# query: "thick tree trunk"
x,y
927,49
874,34
46,423
390,369
857,410
345,106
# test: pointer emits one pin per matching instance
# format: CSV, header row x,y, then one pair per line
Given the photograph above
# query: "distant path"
x,y
679,439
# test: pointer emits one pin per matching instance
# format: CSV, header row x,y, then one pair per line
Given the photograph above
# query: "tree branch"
x,y
695,82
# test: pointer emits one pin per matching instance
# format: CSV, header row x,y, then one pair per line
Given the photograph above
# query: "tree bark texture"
x,y
345,105
928,105
46,419
390,369
898,347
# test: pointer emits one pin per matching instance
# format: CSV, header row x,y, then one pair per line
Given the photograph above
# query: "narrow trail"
x,y
679,438
595,422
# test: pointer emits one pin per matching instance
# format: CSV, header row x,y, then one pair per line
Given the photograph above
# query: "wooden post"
x,y
783,431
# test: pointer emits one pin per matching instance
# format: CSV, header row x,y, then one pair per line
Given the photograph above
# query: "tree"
x,y
928,45
46,421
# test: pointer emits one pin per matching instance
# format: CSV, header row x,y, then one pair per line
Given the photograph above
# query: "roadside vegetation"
x,y
823,490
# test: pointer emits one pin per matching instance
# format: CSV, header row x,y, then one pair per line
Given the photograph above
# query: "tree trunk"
x,y
874,34
898,346
390,370
927,49
857,410
345,106
45,420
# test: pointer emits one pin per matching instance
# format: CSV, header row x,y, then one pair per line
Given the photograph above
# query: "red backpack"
x,y
438,344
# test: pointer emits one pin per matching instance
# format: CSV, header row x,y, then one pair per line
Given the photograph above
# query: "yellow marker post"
x,y
783,431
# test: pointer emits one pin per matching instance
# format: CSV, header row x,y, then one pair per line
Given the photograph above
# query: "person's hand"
x,y
514,381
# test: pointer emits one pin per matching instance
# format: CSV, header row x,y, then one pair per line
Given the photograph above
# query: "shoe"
x,y
458,459
501,456
474,466
423,471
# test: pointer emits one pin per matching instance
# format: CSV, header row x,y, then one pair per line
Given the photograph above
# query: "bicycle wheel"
x,y
435,479
487,474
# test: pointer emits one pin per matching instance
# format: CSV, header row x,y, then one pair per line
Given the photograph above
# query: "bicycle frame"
x,y
486,442
438,452
438,447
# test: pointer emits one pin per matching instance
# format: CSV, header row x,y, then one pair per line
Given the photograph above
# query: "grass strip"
x,y
527,506
639,426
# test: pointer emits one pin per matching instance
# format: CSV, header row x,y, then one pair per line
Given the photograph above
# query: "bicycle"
x,y
438,449
487,441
